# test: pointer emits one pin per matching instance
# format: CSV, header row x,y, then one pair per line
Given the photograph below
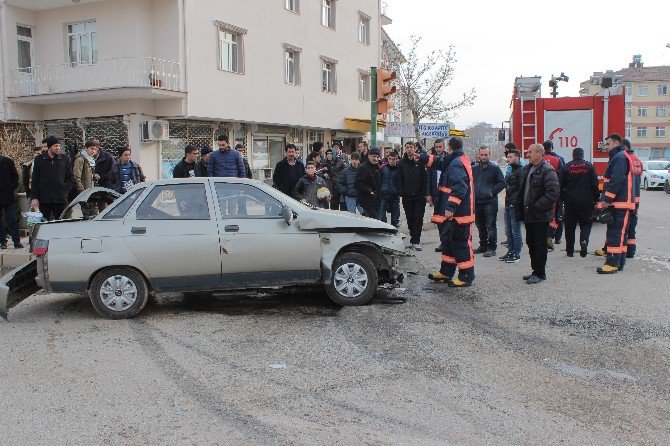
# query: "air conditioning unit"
x,y
156,130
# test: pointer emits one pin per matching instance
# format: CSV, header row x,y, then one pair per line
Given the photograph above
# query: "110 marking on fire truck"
x,y
564,142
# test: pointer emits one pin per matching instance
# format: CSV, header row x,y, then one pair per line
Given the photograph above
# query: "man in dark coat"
x,y
368,185
27,171
288,171
538,194
412,181
126,172
201,164
186,168
52,180
390,201
489,181
9,181
580,193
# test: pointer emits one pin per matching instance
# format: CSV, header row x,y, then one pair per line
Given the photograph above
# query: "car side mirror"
x,y
287,213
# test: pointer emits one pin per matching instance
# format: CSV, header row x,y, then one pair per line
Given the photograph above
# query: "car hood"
x,y
94,194
341,221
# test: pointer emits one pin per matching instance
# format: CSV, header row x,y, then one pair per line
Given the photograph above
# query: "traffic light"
x,y
385,90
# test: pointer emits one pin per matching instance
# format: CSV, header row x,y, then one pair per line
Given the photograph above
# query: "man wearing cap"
x,y
368,185
52,180
201,164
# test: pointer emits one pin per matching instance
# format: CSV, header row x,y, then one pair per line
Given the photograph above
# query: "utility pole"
x,y
373,107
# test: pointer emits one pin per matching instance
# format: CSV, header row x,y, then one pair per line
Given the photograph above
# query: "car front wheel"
x,y
354,279
119,293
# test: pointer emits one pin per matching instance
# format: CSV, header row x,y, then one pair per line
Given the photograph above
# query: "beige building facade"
x,y
265,72
647,99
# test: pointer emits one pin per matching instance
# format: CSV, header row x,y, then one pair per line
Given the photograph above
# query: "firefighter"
x,y
636,167
618,194
454,214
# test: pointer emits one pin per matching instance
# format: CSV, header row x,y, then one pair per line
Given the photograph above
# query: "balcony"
x,y
107,79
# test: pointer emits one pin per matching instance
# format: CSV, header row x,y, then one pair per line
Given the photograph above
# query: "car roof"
x,y
205,180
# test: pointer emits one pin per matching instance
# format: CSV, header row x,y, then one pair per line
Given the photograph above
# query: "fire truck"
x,y
569,122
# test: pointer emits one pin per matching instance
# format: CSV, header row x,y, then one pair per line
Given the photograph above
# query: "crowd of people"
x,y
544,194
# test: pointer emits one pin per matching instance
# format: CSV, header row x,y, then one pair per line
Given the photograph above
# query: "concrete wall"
x,y
260,94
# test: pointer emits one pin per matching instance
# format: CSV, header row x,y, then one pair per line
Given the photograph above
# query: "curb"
x,y
13,259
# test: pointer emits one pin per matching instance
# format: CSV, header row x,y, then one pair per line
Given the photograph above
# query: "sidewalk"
x,y
11,258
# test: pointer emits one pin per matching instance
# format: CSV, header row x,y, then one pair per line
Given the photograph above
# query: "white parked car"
x,y
207,234
654,173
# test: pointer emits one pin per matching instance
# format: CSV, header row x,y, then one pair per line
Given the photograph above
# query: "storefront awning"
x,y
361,125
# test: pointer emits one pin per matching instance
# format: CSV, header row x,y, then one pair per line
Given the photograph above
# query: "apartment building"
x,y
647,96
157,75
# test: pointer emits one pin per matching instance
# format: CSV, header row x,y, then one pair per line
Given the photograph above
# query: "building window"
x,y
231,47
662,90
643,90
363,86
328,75
629,89
24,36
293,6
328,13
628,110
628,127
662,111
228,43
642,112
660,132
290,60
364,29
82,43
642,132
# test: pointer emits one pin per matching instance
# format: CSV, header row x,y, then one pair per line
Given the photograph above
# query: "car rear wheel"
x,y
354,280
666,186
119,293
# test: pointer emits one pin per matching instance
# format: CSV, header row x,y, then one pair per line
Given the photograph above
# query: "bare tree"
x,y
422,83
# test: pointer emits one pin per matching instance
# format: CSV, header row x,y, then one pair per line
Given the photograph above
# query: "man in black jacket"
x,y
241,151
412,187
368,185
538,193
52,180
489,181
288,171
103,166
512,225
580,193
201,164
186,167
9,181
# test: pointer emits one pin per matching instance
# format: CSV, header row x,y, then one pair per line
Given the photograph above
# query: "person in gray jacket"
x,y
226,162
307,188
345,185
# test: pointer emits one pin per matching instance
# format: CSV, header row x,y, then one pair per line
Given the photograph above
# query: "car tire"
x,y
354,280
118,292
666,186
646,184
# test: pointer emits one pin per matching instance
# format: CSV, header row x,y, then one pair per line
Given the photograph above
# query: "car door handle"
x,y
136,230
231,228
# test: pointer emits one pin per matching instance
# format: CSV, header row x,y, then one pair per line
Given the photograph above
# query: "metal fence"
x,y
103,74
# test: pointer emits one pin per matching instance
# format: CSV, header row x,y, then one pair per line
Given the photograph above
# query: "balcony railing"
x,y
126,72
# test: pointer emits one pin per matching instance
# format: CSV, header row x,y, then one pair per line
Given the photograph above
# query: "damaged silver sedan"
x,y
206,235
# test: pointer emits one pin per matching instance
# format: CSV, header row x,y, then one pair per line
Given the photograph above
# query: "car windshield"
x,y
658,165
292,202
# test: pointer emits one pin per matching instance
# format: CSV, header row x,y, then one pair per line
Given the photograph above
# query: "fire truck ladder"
x,y
528,121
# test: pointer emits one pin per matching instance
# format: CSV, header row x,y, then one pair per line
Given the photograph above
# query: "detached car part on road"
x,y
206,235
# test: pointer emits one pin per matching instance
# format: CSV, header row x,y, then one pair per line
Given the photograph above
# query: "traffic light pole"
x,y
373,107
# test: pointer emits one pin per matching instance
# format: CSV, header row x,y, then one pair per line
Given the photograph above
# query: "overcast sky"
x,y
496,41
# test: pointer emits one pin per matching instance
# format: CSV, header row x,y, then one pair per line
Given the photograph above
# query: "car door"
x,y
174,235
258,247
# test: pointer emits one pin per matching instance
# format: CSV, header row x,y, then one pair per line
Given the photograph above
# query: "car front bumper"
x,y
17,285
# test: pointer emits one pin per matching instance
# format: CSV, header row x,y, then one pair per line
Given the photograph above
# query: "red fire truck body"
x,y
569,122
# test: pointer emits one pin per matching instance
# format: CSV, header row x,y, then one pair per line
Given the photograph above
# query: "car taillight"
x,y
40,247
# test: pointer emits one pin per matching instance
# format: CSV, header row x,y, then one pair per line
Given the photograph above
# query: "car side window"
x,y
175,202
121,209
245,201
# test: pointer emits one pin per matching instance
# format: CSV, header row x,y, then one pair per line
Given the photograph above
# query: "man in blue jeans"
x,y
345,185
390,195
512,225
488,182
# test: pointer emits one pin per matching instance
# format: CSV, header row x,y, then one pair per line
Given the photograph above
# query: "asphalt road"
x,y
580,359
